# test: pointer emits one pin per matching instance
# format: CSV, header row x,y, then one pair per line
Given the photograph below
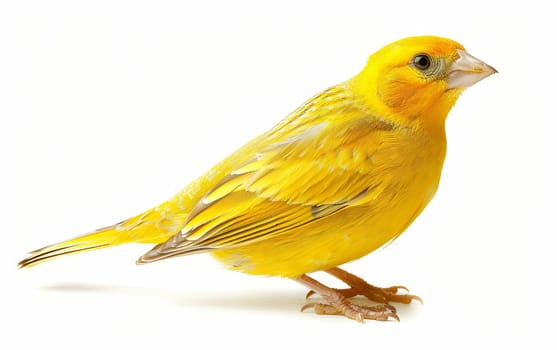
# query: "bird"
x,y
342,175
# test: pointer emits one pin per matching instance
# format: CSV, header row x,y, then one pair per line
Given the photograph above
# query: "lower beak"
x,y
467,70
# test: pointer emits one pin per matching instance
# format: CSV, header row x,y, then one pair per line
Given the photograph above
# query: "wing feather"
x,y
316,163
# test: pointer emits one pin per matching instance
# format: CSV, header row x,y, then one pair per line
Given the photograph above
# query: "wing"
x,y
315,163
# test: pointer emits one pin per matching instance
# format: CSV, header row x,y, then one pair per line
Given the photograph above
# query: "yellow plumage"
x,y
342,175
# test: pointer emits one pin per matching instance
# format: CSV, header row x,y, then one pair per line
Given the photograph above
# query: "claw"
x,y
417,298
395,317
309,294
307,306
405,298
395,289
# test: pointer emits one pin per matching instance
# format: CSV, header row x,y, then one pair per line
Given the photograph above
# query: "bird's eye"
x,y
421,61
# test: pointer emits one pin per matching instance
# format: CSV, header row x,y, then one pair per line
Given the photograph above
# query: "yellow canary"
x,y
342,175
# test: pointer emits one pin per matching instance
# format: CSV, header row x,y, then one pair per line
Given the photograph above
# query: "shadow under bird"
x,y
342,175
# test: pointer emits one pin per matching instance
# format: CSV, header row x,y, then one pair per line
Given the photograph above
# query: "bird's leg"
x,y
337,304
360,287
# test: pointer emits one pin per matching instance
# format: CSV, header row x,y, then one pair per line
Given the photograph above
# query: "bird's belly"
x,y
332,241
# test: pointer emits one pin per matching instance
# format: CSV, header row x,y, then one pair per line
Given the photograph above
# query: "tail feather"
x,y
101,238
147,227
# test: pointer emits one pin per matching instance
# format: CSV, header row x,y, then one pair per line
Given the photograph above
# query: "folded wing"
x,y
320,164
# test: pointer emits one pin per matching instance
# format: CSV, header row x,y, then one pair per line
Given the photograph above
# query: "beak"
x,y
467,70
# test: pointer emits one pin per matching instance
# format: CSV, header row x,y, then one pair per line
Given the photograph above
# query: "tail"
x,y
147,227
101,238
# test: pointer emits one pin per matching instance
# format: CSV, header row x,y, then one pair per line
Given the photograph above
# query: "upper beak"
x,y
467,70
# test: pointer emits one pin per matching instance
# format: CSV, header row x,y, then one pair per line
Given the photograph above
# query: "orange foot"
x,y
338,303
360,287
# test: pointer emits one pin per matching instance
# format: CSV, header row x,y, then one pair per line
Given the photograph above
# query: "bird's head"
x,y
419,78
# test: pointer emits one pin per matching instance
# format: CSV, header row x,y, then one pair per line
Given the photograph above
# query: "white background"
x,y
109,108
